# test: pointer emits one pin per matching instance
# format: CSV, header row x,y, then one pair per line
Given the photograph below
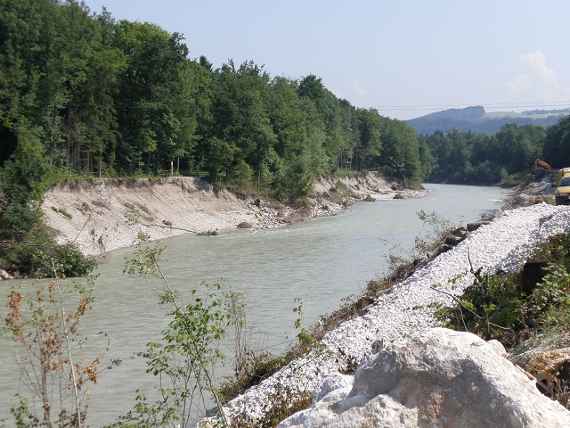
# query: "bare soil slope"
x,y
106,214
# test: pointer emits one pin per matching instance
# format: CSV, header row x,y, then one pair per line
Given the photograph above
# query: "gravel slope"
x,y
504,244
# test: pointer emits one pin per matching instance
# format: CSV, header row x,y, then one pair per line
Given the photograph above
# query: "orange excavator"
x,y
561,181
540,164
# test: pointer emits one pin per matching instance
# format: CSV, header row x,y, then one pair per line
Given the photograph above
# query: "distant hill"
x,y
476,119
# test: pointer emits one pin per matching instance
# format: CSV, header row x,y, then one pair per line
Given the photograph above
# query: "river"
x,y
320,262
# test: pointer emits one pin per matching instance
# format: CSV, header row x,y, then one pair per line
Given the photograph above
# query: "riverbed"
x,y
320,262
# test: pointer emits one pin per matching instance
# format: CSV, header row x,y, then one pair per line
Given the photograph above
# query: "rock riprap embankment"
x,y
408,308
441,378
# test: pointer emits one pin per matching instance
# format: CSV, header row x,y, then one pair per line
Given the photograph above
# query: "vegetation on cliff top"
x,y
110,97
27,246
86,95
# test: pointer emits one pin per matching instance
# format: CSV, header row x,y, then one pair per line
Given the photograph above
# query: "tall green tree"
x,y
557,144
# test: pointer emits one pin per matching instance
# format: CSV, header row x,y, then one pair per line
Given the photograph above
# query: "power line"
x,y
419,107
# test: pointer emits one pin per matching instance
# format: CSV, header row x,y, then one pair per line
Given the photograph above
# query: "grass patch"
x,y
259,366
136,212
283,404
256,367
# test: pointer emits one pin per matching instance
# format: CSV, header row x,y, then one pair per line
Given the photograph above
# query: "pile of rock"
x,y
441,378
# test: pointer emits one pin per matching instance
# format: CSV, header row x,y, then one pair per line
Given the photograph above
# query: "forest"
x,y
464,157
105,97
84,95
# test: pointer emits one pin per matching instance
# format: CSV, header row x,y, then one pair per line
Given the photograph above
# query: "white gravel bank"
x,y
504,244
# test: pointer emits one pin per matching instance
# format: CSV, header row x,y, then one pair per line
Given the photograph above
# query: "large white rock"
x,y
441,378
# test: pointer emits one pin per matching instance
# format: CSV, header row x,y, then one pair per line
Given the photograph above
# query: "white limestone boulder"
x,y
441,378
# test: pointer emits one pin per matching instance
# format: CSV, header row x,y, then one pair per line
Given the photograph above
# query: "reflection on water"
x,y
320,262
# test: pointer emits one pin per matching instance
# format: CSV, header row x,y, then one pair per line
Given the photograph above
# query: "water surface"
x,y
321,262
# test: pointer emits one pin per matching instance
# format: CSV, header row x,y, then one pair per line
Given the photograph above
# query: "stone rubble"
x,y
439,378
408,308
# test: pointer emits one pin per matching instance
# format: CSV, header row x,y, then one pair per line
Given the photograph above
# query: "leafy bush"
x,y
490,308
26,244
44,327
38,255
550,302
501,307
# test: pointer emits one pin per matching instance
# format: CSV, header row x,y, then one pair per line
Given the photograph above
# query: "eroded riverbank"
x,y
108,214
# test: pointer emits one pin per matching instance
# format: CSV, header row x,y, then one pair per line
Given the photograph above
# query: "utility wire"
x,y
411,107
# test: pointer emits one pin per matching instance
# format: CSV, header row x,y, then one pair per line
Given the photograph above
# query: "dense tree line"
x,y
110,97
83,94
557,144
464,157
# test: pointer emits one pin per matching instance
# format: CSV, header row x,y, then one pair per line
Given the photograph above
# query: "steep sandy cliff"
x,y
107,214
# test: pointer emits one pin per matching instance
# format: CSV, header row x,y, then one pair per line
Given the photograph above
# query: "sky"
x,y
405,58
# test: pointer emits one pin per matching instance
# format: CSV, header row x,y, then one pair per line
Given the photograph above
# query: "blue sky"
x,y
404,57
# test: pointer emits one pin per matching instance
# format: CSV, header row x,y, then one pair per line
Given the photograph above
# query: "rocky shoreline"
x,y
408,308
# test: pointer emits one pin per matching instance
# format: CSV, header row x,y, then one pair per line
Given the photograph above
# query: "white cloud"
x,y
537,81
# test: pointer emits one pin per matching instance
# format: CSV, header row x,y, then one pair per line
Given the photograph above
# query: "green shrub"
x,y
242,175
499,307
491,308
257,367
37,255
549,304
294,180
